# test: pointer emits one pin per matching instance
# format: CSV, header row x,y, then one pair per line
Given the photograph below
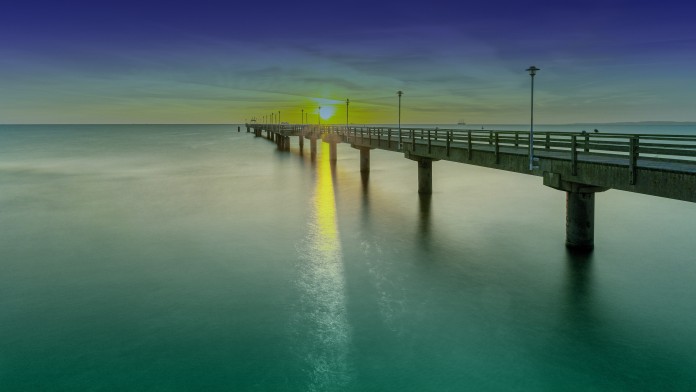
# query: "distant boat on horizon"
x,y
461,123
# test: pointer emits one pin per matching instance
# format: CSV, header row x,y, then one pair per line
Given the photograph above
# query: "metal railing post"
x,y
632,159
574,155
449,135
429,142
469,143
497,148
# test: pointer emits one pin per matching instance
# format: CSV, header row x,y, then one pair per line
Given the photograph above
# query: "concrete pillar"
x,y
301,142
333,153
313,147
580,220
286,143
425,176
580,205
364,159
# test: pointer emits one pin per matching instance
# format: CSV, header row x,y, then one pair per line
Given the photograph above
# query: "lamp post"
x,y
278,117
532,71
302,117
399,93
319,116
347,102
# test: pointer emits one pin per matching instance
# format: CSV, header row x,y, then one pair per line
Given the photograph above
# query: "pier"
x,y
579,164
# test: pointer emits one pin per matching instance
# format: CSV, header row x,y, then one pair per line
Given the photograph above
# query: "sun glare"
x,y
327,112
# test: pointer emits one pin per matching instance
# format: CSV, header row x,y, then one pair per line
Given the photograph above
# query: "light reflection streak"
x,y
322,314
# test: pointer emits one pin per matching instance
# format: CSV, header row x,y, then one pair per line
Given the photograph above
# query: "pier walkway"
x,y
581,164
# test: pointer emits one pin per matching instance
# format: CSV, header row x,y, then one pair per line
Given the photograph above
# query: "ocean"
x,y
196,257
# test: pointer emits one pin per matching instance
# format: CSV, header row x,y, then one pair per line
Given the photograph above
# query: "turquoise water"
x,y
167,258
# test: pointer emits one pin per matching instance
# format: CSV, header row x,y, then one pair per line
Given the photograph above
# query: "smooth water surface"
x,y
176,258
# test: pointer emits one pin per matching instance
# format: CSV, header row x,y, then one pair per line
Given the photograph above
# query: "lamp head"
x,y
532,70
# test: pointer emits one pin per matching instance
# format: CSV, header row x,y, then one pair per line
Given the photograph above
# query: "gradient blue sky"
x,y
226,61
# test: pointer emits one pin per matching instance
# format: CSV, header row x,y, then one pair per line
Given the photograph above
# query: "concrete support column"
x,y
580,206
286,143
580,220
425,176
301,142
333,152
313,147
364,159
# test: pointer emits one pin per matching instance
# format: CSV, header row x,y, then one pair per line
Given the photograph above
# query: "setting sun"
x,y
327,112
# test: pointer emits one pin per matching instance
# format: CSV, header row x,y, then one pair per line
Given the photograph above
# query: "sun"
x,y
327,111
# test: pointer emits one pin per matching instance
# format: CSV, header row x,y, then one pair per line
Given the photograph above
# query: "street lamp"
x,y
278,117
347,102
319,116
399,93
302,117
532,71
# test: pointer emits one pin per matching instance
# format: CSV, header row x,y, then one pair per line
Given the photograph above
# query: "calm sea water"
x,y
176,258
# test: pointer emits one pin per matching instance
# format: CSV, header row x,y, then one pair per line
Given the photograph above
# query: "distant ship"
x,y
461,123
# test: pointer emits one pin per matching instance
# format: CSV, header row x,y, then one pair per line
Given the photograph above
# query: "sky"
x,y
231,61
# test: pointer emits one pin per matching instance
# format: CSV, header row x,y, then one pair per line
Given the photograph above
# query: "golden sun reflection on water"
x,y
322,312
